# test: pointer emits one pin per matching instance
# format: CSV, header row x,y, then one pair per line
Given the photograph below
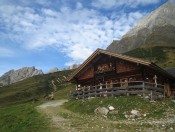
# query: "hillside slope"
x,y
35,88
162,56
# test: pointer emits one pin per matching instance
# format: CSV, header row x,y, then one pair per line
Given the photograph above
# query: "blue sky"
x,y
58,33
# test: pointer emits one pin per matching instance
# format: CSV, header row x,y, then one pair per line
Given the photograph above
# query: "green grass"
x,y
64,90
122,104
22,118
18,113
162,56
33,88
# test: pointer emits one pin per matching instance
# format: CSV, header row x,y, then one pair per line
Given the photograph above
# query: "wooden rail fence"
x,y
115,89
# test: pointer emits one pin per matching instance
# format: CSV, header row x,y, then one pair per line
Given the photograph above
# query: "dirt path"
x,y
65,120
53,110
54,103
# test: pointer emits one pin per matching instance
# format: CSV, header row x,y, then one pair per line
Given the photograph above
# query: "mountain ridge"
x,y
149,31
13,76
164,15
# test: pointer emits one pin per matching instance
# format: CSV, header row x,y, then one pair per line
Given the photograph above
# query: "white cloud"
x,y
77,33
4,52
108,4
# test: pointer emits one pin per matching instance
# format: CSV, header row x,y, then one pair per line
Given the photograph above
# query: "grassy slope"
x,y
162,56
34,88
22,117
122,104
64,91
18,113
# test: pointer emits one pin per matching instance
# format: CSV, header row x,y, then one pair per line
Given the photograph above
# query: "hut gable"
x,y
104,61
88,74
124,66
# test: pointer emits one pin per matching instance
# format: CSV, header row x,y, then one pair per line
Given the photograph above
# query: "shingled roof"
x,y
123,57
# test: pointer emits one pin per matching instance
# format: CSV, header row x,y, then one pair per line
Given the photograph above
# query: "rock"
x,y
135,112
13,76
132,114
126,116
53,85
173,101
55,69
171,129
147,97
144,115
111,108
74,66
50,96
152,101
101,111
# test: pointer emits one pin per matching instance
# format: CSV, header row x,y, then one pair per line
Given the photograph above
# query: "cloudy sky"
x,y
58,33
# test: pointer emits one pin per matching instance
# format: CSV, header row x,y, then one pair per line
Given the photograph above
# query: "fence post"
x,y
143,88
164,90
89,91
95,90
83,93
151,95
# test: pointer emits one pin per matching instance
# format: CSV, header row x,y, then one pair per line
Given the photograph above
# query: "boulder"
x,y
132,114
111,108
101,111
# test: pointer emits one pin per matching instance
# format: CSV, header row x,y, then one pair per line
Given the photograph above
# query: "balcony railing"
x,y
114,89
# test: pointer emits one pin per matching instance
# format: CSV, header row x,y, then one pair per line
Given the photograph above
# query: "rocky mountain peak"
x,y
164,15
156,29
13,76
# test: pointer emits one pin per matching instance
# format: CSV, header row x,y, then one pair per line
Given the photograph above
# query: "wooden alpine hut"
x,y
109,74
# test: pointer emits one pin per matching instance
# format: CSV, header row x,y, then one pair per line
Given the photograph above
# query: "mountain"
x,y
156,29
13,76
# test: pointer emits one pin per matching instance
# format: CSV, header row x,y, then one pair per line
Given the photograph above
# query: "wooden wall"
x,y
123,66
88,74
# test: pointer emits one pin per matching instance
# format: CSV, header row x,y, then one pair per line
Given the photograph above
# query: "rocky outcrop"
x,y
156,29
164,15
13,76
74,66
55,69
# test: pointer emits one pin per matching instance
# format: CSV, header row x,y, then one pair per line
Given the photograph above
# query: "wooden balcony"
x,y
118,89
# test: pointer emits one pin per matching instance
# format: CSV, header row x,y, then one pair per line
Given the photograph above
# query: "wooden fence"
x,y
115,89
